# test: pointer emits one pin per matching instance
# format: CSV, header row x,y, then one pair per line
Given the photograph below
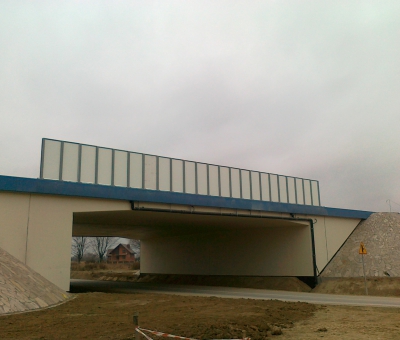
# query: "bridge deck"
x,y
53,187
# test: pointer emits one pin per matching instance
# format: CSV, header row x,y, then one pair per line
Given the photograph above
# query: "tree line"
x,y
98,246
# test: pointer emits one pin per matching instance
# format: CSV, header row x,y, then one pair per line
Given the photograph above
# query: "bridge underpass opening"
x,y
207,244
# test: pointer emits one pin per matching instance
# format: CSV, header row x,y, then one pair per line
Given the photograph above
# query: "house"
x,y
122,253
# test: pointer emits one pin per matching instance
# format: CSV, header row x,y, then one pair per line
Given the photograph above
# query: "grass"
x,y
93,266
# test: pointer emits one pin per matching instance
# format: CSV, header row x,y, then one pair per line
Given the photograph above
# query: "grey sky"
x,y
301,88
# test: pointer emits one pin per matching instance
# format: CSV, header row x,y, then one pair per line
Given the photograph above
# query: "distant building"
x,y
122,253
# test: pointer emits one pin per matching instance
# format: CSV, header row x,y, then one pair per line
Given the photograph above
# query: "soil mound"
x,y
22,289
380,234
258,282
377,286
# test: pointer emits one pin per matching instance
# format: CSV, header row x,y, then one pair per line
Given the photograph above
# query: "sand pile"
x,y
22,289
381,235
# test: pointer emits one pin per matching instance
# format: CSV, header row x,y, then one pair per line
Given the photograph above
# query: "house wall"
x,y
121,255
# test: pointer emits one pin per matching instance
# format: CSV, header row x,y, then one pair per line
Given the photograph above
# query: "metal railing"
x,y
67,161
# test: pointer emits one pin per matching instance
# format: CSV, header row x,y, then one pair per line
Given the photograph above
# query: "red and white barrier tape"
x,y
145,335
166,335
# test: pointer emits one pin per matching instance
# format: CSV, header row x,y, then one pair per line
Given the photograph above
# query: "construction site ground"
x,y
110,316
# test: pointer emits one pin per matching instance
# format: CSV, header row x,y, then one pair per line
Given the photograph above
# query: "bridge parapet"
x,y
74,162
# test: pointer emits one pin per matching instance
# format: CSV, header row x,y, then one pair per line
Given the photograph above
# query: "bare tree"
x,y
100,245
135,246
79,246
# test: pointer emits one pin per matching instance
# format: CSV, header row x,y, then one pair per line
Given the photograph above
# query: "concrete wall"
x,y
14,219
37,230
269,251
380,234
330,233
260,252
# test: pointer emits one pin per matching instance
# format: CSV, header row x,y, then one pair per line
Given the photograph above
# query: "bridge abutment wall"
x,y
269,251
37,230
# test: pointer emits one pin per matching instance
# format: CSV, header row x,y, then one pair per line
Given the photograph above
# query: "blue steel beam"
x,y
53,187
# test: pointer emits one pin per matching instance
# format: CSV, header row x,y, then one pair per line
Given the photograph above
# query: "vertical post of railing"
x,y
311,192
219,181
112,167
157,173
196,179
128,169
251,185
279,188
208,179
143,171
183,177
42,158
79,163
60,173
230,182
287,190
240,183
170,174
96,166
269,188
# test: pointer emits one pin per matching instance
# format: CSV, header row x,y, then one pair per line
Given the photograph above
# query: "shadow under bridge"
x,y
208,244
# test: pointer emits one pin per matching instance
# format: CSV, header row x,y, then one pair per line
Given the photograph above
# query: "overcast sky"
x,y
301,88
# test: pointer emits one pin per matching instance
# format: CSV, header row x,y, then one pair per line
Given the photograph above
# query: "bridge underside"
x,y
147,224
180,233
207,244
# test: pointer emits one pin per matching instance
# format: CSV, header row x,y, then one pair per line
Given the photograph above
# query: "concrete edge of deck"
x,y
53,187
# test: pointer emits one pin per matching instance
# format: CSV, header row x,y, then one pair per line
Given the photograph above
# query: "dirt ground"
x,y
377,286
110,316
339,322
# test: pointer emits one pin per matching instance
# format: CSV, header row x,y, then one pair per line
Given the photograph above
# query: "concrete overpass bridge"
x,y
191,217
